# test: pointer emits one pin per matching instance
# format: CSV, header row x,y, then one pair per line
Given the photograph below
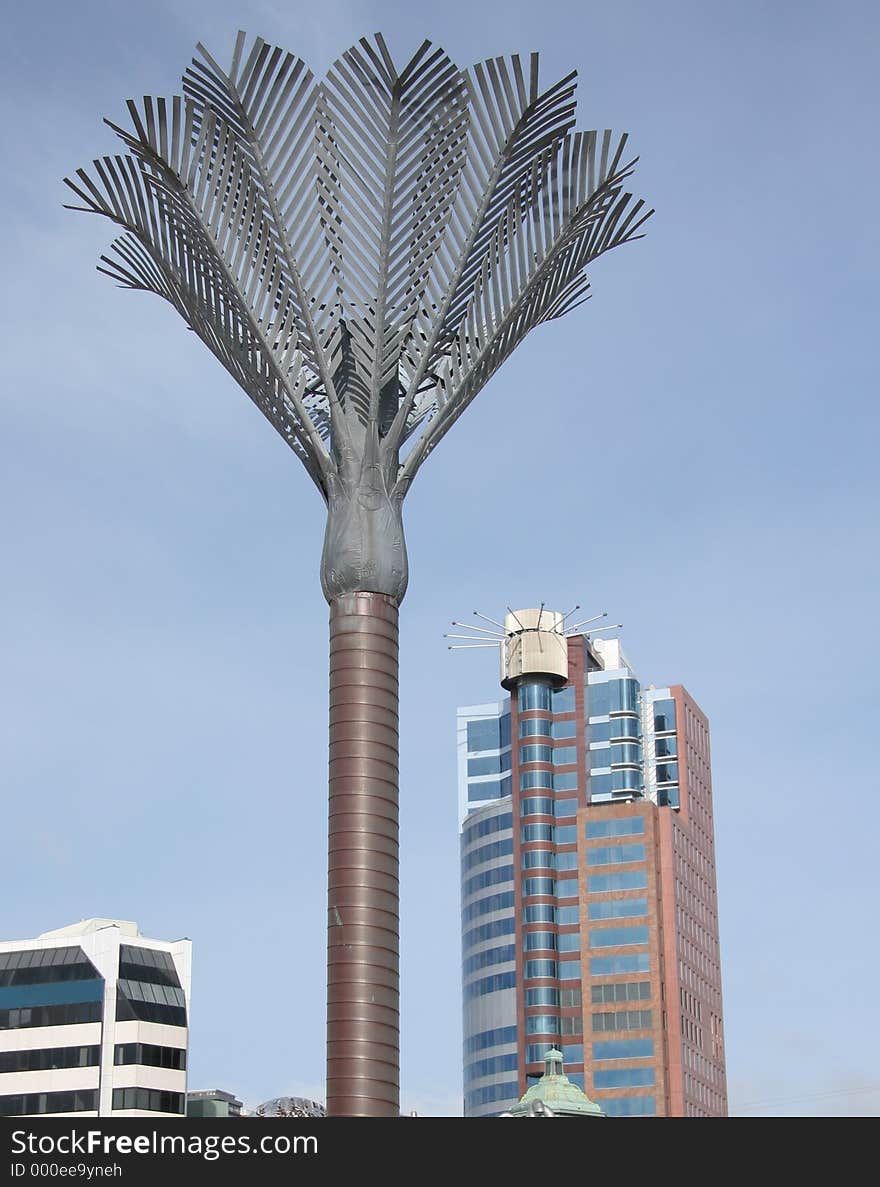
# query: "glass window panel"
x,y
534,694
598,731
540,968
531,779
623,1049
625,880
564,699
537,806
536,832
563,755
600,756
484,735
491,764
542,1024
565,729
615,854
530,727
664,715
538,858
489,824
618,908
667,772
539,913
544,995
612,966
618,937
535,753
539,941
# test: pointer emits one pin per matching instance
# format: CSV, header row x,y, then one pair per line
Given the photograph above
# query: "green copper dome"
x,y
555,1092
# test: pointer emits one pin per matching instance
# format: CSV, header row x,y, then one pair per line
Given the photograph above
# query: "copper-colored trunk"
x,y
363,1052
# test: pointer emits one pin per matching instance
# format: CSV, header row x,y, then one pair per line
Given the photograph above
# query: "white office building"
x,y
94,1022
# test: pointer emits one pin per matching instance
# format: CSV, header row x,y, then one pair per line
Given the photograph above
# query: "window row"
x,y
624,1077
618,937
66,1015
488,931
146,958
622,780
623,826
482,960
57,993
150,991
623,1020
489,1038
540,968
487,878
485,827
623,991
149,1100
630,1106
492,902
608,756
620,908
542,1024
612,966
150,1055
537,695
539,859
625,880
614,729
32,1104
476,857
559,755
492,1094
49,1058
35,958
490,1067
623,1049
79,969
489,985
131,1009
612,855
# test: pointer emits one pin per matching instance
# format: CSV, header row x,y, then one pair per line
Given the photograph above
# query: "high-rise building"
x,y
93,1022
589,911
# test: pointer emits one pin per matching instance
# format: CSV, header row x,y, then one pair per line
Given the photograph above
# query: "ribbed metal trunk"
x,y
363,1009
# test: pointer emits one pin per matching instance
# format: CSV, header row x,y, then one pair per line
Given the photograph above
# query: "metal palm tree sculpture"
x,y
362,253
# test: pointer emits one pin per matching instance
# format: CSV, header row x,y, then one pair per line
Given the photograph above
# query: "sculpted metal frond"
x,y
364,252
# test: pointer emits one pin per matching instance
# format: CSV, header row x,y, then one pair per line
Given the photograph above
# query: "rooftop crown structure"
x,y
362,253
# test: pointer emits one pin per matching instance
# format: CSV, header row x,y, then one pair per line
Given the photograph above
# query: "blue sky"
x,y
713,415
